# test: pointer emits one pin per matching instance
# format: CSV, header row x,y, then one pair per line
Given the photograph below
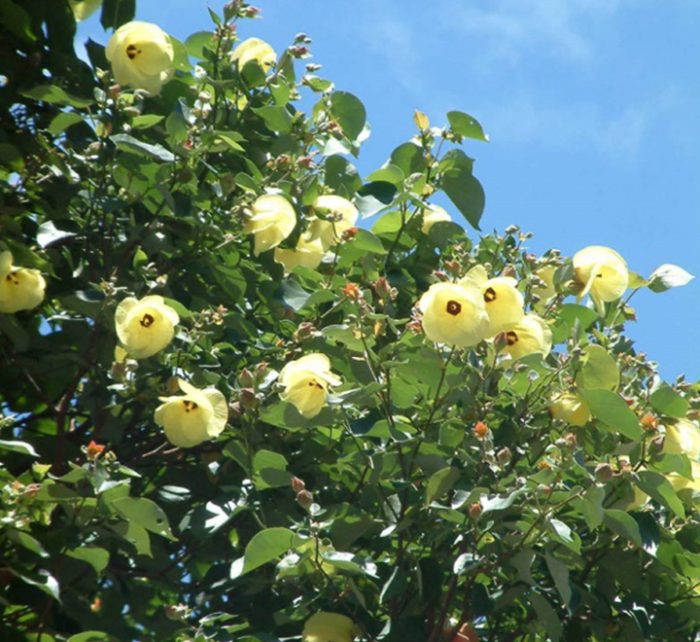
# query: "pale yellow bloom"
x,y
307,254
20,288
272,220
330,232
682,438
504,302
433,214
531,335
546,275
329,627
454,314
194,417
571,408
254,50
681,483
145,326
83,9
306,382
601,272
141,55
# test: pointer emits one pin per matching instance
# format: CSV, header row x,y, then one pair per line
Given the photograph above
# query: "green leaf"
x,y
440,483
95,556
461,187
342,176
63,121
92,636
374,197
48,234
270,470
277,119
547,617
668,402
591,506
25,540
560,574
16,20
265,546
146,121
565,535
54,95
409,159
350,113
22,447
136,535
43,580
145,513
623,524
351,563
571,317
293,294
387,174
198,41
132,145
612,412
668,276
116,12
368,242
599,369
466,125
660,489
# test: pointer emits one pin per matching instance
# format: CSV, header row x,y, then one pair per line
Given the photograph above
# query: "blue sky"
x,y
591,105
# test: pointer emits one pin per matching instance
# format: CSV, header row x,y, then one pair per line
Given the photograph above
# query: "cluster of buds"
x,y
215,316
384,289
303,497
304,330
299,51
250,380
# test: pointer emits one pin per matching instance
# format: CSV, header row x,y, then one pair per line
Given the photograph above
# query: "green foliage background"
x,y
113,194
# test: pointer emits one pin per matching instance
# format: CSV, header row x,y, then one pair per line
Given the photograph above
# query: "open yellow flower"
x,y
682,438
335,207
83,9
431,215
194,417
272,220
306,382
601,272
20,288
531,335
454,314
141,55
571,408
145,326
329,627
254,50
307,254
504,302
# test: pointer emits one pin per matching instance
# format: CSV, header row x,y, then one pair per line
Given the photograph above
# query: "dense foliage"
x,y
228,405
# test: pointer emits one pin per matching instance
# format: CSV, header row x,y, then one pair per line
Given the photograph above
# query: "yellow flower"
x,y
272,220
254,50
336,207
145,326
20,288
454,314
431,215
531,335
569,407
602,272
307,254
682,438
83,9
194,417
681,483
329,627
547,291
504,302
141,55
306,382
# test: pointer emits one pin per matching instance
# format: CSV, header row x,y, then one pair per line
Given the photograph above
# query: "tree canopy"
x,y
248,394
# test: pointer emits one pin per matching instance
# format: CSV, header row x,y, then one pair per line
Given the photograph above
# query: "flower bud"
x,y
649,422
298,485
235,410
96,605
512,229
481,430
504,455
246,378
352,291
604,472
475,510
248,398
305,498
